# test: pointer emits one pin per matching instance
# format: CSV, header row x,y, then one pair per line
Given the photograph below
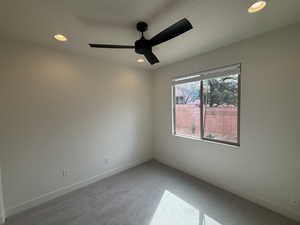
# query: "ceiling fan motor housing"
x,y
142,46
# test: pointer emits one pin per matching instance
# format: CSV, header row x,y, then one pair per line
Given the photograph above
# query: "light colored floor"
x,y
150,194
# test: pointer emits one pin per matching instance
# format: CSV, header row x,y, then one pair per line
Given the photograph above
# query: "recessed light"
x,y
257,6
60,37
141,60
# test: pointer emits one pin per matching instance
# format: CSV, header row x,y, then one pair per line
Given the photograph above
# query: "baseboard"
x,y
64,190
259,201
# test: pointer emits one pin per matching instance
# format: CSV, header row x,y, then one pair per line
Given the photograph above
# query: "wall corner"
x,y
2,211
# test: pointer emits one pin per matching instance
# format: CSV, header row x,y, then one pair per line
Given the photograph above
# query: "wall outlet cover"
x,y
294,203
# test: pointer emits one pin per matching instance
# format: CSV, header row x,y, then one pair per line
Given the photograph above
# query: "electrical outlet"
x,y
65,172
294,203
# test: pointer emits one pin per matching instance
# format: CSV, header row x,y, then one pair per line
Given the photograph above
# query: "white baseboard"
x,y
259,201
64,190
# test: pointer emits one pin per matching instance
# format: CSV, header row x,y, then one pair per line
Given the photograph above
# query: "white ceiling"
x,y
216,23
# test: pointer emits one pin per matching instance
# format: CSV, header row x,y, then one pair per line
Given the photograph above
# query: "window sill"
x,y
206,141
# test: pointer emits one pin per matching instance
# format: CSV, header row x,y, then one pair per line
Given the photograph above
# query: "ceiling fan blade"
x,y
152,59
110,46
171,32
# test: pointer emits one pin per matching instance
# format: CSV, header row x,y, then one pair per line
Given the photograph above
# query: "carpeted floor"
x,y
150,194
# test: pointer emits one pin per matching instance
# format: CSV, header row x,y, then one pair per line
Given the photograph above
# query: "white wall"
x,y
63,111
265,169
2,213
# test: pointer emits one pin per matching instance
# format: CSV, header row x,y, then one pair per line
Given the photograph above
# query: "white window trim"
x,y
203,75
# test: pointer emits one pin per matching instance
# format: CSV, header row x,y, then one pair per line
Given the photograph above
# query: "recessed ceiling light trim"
x,y
141,60
60,37
257,6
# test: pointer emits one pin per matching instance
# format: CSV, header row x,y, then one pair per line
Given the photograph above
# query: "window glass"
x,y
187,108
220,108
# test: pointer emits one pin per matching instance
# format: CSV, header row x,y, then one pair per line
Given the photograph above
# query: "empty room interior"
x,y
139,112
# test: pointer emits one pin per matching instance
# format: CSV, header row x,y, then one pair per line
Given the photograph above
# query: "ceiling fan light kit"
x,y
144,46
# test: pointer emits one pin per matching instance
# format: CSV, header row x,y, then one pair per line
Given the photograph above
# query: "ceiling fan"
x,y
144,46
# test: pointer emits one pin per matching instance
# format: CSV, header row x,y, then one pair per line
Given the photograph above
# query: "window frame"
x,y
200,76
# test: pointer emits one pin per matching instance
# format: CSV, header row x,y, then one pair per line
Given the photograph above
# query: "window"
x,y
206,105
